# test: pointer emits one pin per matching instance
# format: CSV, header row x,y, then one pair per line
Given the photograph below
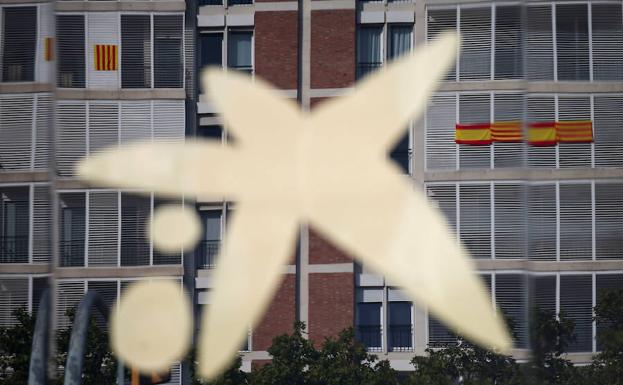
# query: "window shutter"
x,y
39,285
576,301
575,221
439,335
72,232
475,57
135,212
510,221
16,114
108,291
444,195
239,51
508,108
191,44
542,222
539,43
541,109
607,131
169,120
438,21
574,154
606,282
14,295
103,30
69,294
607,41
19,44
368,317
42,134
103,125
176,374
71,132
15,219
103,228
510,297
135,121
475,219
168,55
609,220
508,42
572,41
161,258
543,293
440,123
474,108
135,51
70,47
486,281
41,224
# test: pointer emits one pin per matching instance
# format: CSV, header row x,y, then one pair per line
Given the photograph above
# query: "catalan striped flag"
x,y
542,134
48,44
578,131
475,134
506,132
105,57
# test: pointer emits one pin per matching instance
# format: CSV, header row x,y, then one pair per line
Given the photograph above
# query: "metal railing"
x,y
400,338
72,252
371,336
206,253
14,249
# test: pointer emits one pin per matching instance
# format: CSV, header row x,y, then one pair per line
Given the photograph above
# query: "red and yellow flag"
x,y
542,134
105,57
506,131
48,44
577,131
475,134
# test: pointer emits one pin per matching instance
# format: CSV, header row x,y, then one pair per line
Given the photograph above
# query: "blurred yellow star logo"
x,y
329,169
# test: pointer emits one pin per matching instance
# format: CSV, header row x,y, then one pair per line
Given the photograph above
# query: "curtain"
x,y
369,45
399,40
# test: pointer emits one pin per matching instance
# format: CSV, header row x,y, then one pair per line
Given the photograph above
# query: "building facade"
x,y
543,221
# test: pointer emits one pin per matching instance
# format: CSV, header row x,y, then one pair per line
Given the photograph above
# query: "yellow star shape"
x,y
329,169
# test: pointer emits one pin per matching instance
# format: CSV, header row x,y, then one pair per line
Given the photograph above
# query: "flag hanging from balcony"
x,y
578,131
506,131
48,45
105,57
542,134
475,134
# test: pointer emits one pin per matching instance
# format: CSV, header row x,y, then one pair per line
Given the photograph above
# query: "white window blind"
x,y
103,228
542,222
609,220
475,57
440,123
575,221
474,108
42,134
438,21
14,296
71,142
508,107
510,220
19,43
574,154
16,114
607,37
103,125
541,109
475,219
576,301
135,120
444,197
108,291
70,37
508,42
539,43
169,120
69,294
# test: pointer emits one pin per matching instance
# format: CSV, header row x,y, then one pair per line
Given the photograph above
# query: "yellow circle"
x,y
151,327
175,228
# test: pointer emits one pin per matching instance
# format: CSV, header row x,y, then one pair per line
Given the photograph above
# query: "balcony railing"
x,y
400,338
72,252
13,249
206,254
245,69
370,336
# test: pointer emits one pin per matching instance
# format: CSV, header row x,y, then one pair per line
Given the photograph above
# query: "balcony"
x,y
371,337
400,339
72,252
206,253
13,249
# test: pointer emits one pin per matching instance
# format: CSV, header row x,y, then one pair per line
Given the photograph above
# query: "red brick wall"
x,y
332,48
322,251
331,302
279,317
276,47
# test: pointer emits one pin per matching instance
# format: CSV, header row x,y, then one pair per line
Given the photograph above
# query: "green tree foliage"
x,y
15,346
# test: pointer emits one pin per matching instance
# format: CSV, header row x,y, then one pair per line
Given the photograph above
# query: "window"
x,y
73,224
437,22
135,51
209,246
369,325
71,58
19,39
210,52
576,301
168,65
607,41
572,41
508,43
135,247
400,336
369,49
14,214
475,57
399,40
240,51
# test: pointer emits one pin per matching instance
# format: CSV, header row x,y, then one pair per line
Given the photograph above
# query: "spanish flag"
x,y
578,131
506,132
475,134
105,57
542,134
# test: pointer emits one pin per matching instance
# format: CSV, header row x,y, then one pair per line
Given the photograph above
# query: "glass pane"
x,y
239,51
369,56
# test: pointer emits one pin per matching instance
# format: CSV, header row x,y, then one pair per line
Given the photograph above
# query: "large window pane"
x,y
572,41
71,58
439,21
399,41
508,43
369,54
400,324
14,223
135,51
607,41
209,246
168,58
240,51
135,212
369,324
19,37
72,213
475,58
